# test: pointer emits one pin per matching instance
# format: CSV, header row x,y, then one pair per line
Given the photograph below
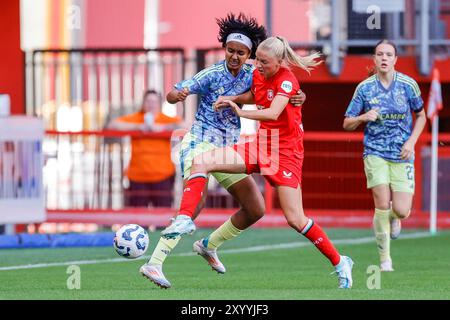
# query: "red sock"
x,y
319,238
192,194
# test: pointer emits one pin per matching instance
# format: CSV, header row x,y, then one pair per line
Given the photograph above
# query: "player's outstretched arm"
x,y
244,98
269,114
175,95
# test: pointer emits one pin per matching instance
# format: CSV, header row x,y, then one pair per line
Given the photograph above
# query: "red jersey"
x,y
288,127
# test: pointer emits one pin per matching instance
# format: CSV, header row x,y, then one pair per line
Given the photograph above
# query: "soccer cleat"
x,y
396,228
344,272
154,274
182,224
386,266
209,255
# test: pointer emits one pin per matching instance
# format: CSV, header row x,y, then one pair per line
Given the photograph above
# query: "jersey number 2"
x,y
410,172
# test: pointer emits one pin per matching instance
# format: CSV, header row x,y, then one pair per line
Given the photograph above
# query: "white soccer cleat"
x,y
386,266
209,255
154,274
396,228
344,272
181,225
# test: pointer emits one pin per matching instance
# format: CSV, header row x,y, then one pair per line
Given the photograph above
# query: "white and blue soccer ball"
x,y
131,241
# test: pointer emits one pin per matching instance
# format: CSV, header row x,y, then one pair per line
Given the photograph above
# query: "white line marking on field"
x,y
291,245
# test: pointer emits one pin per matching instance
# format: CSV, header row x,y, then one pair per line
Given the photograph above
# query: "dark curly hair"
x,y
241,24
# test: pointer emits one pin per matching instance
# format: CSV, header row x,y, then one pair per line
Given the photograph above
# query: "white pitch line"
x,y
354,241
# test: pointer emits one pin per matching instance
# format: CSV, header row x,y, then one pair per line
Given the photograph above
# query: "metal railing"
x,y
97,84
83,172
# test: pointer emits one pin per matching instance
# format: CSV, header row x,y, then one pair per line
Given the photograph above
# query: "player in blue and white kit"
x,y
240,36
385,103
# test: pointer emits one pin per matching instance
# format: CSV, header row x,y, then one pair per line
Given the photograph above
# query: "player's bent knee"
x,y
401,212
257,215
253,215
257,211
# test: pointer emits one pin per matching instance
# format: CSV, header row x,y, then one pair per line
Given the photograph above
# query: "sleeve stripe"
x,y
410,82
368,80
205,72
218,66
356,90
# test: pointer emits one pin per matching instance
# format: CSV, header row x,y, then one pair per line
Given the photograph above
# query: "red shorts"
x,y
278,168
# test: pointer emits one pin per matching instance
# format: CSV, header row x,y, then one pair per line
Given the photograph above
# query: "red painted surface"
x,y
192,24
291,21
114,23
12,78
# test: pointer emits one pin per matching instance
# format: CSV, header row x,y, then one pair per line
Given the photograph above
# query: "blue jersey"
x,y
385,136
218,127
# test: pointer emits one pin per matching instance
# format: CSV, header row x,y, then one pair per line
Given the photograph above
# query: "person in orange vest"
x,y
151,172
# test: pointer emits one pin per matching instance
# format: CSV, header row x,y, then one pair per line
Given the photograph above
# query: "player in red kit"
x,y
276,153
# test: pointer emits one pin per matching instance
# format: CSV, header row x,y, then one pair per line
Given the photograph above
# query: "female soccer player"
x,y
240,36
277,152
385,103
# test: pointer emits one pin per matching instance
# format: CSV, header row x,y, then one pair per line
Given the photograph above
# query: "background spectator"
x,y
151,172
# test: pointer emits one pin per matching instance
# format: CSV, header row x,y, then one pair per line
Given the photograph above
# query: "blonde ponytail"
x,y
307,63
282,50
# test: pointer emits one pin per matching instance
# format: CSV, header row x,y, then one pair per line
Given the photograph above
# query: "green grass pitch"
x,y
262,264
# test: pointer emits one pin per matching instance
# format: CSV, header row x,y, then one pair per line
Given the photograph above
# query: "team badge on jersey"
x,y
270,95
286,86
239,86
400,100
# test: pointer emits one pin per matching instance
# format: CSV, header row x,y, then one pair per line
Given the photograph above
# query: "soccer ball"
x,y
131,241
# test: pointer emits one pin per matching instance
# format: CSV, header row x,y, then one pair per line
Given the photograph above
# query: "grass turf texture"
x,y
421,271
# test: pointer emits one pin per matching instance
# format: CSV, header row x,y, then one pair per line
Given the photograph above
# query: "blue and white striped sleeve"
x,y
200,83
356,105
414,95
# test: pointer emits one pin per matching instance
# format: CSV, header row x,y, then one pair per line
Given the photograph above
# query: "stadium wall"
x,y
12,77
